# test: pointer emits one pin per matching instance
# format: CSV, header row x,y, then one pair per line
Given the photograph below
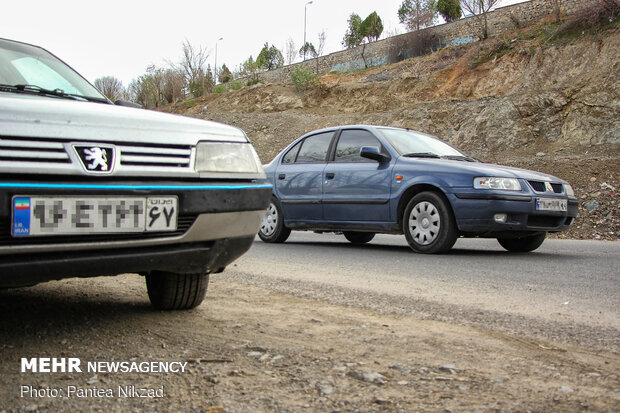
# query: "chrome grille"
x,y
45,156
155,156
539,186
32,151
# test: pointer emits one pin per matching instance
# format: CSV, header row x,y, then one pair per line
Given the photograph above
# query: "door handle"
x,y
281,176
330,175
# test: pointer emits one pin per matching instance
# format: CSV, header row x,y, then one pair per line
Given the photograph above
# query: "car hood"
x,y
46,117
486,169
468,170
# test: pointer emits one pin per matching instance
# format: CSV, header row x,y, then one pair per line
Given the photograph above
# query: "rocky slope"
x,y
523,99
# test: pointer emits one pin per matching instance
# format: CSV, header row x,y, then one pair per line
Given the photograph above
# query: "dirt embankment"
x,y
520,100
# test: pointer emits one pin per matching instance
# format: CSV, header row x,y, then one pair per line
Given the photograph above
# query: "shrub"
x,y
235,84
599,13
303,79
220,89
410,45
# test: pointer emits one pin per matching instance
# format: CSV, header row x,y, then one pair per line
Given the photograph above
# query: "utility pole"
x,y
305,14
215,69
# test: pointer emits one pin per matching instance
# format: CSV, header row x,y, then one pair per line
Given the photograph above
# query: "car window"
x,y
23,64
407,142
35,72
290,156
350,143
315,147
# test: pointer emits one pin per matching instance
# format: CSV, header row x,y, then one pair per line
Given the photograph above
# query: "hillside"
x,y
526,98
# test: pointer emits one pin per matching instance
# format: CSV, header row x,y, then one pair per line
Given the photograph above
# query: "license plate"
x,y
551,204
56,215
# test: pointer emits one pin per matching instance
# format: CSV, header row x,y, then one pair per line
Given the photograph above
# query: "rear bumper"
x,y
475,214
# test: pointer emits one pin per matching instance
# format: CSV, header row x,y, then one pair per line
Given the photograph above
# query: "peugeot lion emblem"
x,y
98,159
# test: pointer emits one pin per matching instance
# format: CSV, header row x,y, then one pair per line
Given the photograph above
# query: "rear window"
x,y
315,147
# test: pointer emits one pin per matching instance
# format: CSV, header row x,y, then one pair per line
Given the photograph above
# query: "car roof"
x,y
353,126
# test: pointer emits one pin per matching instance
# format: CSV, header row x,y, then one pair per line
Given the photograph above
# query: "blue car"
x,y
362,180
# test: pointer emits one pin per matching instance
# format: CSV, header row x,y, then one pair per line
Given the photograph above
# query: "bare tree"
x,y
193,67
322,42
174,84
320,48
147,90
291,51
480,9
111,87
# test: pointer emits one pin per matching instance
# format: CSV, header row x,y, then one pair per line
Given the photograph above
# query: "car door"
x,y
299,178
356,188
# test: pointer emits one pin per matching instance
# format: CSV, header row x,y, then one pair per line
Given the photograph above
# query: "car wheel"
x,y
272,228
525,244
172,291
358,237
428,224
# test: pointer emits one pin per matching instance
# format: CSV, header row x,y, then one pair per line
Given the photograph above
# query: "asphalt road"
x,y
567,290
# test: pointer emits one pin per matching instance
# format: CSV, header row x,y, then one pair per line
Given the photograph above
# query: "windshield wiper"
x,y
422,155
37,89
460,158
49,92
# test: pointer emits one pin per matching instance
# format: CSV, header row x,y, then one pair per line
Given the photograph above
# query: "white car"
x,y
90,188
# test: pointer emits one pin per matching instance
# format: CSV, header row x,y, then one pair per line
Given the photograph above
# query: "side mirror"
x,y
374,153
127,103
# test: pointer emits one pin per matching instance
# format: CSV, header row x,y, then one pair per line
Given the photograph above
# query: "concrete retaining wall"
x,y
412,44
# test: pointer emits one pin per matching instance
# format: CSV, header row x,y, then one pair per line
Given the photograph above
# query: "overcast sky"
x,y
121,38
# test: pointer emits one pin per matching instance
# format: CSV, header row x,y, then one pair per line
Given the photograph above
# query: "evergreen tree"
x,y
417,14
372,27
354,35
270,57
450,10
224,76
308,49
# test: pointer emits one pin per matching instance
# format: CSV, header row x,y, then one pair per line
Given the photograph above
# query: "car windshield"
x,y
30,69
416,144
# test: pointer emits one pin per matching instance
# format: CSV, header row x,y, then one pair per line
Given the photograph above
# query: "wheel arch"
x,y
412,191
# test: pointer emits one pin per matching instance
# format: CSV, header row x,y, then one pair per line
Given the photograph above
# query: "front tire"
x,y
173,291
272,228
358,237
428,224
525,244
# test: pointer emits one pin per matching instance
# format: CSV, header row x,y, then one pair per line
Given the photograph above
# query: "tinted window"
x,y
350,143
315,147
291,154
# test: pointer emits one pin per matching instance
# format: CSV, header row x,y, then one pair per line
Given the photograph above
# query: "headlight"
x,y
489,182
227,157
569,190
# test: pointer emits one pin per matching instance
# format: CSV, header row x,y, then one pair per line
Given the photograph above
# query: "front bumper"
x,y
475,212
24,270
217,223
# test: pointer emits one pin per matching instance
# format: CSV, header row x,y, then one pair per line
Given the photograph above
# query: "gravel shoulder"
x,y
252,349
